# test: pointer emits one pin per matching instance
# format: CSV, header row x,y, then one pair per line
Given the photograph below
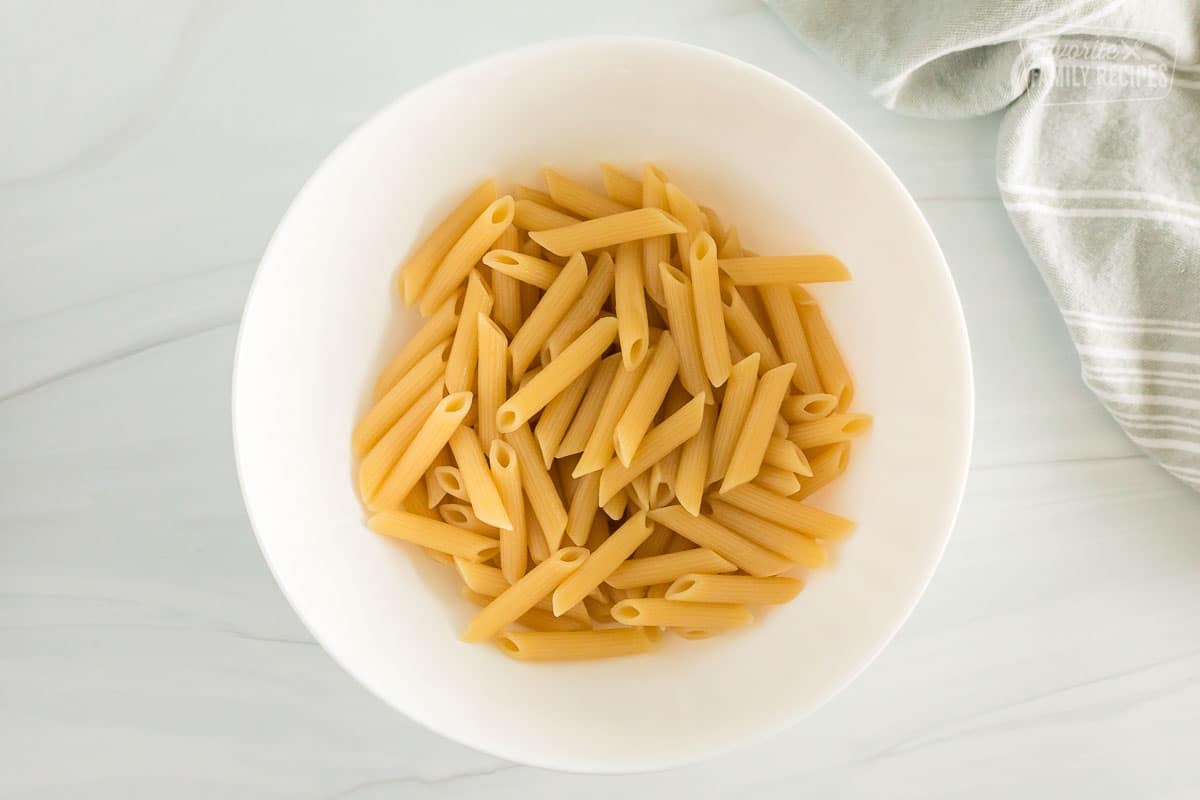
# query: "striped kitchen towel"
x,y
1098,163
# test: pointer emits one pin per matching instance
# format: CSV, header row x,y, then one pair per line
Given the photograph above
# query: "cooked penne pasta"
x,y
387,451
514,601
793,346
576,645
671,614
557,375
661,368
533,216
654,569
629,299
763,270
831,429
389,408
710,317
596,290
790,544
466,252
477,477
662,439
787,512
433,435
579,199
539,489
684,209
590,407
523,267
550,310
492,377
755,435
449,479
434,535
735,407
601,563
831,369
681,316
740,589
655,249
437,329
743,327
415,273
600,443
808,407
464,350
461,515
556,418
620,187
709,533
692,474
827,464
514,542
607,231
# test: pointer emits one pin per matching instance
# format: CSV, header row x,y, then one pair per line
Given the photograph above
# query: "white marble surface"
x,y
147,150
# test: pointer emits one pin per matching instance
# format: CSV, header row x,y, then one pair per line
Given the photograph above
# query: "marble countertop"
x,y
147,149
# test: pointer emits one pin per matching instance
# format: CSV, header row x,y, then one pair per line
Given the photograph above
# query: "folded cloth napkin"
x,y
1098,163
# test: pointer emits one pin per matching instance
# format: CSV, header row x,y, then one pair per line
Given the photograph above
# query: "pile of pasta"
x,y
610,419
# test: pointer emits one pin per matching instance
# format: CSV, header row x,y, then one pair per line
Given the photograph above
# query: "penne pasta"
x,y
387,451
731,244
415,273
681,317
586,309
539,489
590,407
579,199
661,476
536,619
550,310
389,408
793,346
738,589
557,375
464,350
537,196
600,442
808,407
778,480
435,535
433,435
755,435
669,613
692,473
594,234
434,490
706,532
584,508
552,426
490,582
661,368
763,270
620,187
466,252
477,477
827,465
790,544
571,646
831,429
655,249
712,224
735,407
684,209
743,327
521,596
785,455
449,479
650,570
616,505
492,377
533,216
506,290
437,329
831,369
539,547
710,317
629,299
789,513
601,563
514,542
522,267
461,515
662,439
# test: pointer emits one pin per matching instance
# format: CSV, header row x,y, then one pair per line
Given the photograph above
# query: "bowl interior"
x,y
323,318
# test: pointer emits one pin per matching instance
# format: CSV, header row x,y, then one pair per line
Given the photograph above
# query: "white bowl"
x,y
322,318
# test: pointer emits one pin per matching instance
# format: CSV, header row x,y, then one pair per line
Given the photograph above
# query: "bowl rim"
x,y
752,72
